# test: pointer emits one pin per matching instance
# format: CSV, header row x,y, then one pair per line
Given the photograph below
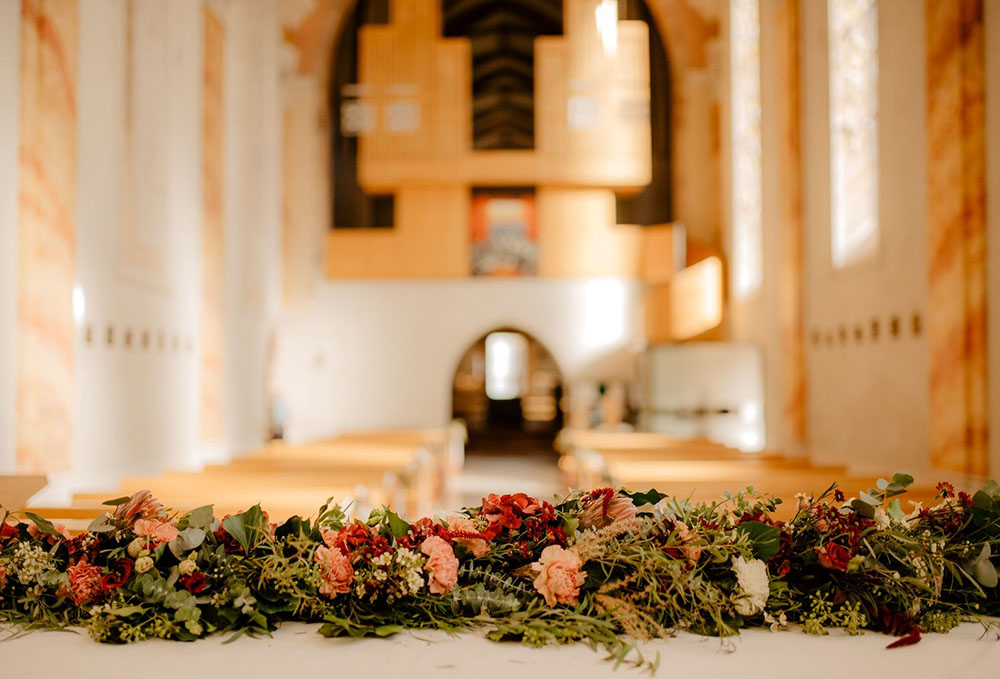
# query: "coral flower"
x,y
84,581
142,504
3,576
156,530
462,524
559,575
441,566
604,507
336,572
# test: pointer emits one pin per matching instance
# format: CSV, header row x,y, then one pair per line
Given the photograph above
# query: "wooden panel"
x,y
46,236
15,490
577,235
430,239
658,254
686,307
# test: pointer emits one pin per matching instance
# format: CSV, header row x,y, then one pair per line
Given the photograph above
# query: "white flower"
x,y
143,564
136,546
881,518
751,576
187,567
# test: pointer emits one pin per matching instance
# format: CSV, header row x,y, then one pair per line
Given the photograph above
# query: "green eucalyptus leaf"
x,y
116,502
983,500
234,526
895,511
101,524
650,497
986,573
201,517
863,509
764,539
870,499
992,489
903,479
388,630
44,525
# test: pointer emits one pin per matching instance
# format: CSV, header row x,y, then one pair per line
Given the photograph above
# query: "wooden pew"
x,y
16,489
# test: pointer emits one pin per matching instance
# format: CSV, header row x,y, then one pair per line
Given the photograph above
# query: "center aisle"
x,y
296,651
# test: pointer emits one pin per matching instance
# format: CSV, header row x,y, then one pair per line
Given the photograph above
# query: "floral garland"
x,y
607,566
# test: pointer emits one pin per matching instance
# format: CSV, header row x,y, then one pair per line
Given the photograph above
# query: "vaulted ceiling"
x,y
503,74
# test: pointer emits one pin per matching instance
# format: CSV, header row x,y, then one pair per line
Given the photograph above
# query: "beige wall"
x,y
868,400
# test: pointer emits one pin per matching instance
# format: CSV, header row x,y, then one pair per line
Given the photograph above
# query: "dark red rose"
x,y
118,575
7,531
227,540
833,556
193,583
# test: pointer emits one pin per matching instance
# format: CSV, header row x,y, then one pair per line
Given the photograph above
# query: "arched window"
x,y
747,233
853,31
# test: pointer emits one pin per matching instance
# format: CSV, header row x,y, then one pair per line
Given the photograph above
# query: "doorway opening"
x,y
509,391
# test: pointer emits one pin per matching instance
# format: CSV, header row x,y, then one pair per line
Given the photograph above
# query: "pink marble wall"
x,y
956,315
791,283
213,257
46,236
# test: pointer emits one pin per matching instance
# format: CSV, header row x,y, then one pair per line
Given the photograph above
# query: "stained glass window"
x,y
746,146
853,130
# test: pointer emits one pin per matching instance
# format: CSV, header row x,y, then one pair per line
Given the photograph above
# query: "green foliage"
x,y
678,565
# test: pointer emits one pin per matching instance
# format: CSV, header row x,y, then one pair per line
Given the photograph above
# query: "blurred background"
x,y
413,251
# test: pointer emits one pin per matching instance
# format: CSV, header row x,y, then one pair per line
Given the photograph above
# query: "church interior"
x,y
411,252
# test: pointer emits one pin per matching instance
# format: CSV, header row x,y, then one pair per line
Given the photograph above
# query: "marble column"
x,y
213,252
956,322
791,282
46,236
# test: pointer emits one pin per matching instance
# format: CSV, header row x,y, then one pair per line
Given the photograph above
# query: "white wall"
x,y
868,401
991,17
139,195
365,354
252,208
139,236
10,61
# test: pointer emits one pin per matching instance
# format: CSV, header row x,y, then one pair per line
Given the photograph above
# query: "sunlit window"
x,y
853,129
505,358
746,145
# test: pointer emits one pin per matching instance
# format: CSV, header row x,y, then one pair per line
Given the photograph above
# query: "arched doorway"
x,y
508,389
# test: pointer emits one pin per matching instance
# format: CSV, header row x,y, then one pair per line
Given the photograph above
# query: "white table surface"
x,y
297,652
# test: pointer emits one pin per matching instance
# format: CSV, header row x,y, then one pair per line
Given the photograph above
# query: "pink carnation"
x,y
463,524
3,576
441,566
336,572
156,530
559,575
84,581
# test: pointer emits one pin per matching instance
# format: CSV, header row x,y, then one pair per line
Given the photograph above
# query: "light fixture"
x,y
79,303
606,18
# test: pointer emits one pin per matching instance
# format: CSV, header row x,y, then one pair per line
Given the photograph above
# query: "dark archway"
x,y
508,389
